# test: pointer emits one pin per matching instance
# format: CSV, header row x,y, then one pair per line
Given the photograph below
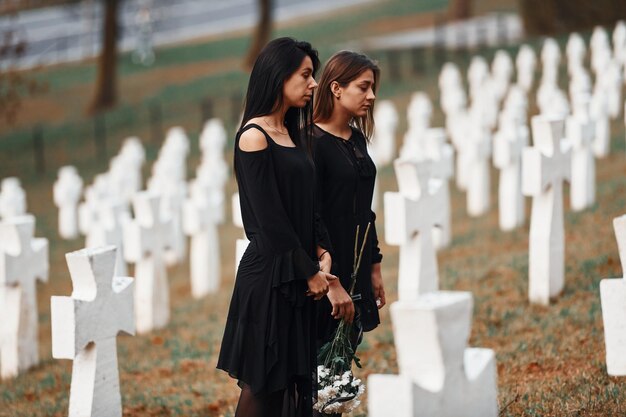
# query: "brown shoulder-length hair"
x,y
345,67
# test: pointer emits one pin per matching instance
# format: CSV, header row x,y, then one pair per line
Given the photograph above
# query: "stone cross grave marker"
x,y
613,299
477,74
410,216
599,114
526,62
23,261
502,72
441,158
579,131
478,151
619,42
575,51
383,145
550,59
200,219
67,192
85,328
419,113
545,167
145,240
12,198
508,143
103,222
173,194
457,127
439,375
213,137
612,79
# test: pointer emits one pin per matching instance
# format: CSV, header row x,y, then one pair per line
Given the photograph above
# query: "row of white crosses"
x,y
438,374
470,130
105,211
204,210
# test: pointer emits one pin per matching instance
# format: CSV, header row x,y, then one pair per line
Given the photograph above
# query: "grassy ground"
x,y
550,359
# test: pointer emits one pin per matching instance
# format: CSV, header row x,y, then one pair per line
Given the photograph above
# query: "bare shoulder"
x,y
252,140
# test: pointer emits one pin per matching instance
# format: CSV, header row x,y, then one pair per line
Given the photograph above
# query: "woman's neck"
x,y
277,118
338,124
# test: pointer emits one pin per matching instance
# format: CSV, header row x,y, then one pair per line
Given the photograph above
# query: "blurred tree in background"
x,y
460,9
262,32
547,17
105,95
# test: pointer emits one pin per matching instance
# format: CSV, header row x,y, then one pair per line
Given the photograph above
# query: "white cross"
x,y
439,375
477,150
213,138
145,240
103,222
67,192
507,154
580,131
545,167
613,297
526,61
200,219
599,113
173,193
12,198
441,157
23,261
575,51
477,74
410,216
85,327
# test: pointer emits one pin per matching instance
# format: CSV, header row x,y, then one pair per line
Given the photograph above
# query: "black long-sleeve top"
x,y
345,186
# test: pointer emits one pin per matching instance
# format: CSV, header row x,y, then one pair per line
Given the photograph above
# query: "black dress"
x,y
269,339
345,183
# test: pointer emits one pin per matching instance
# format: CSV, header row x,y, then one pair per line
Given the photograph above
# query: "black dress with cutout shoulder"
x,y
269,338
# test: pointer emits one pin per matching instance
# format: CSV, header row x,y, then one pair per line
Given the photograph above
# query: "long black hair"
x,y
278,60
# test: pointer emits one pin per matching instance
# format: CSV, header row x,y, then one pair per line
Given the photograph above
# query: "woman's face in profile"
x,y
358,96
298,88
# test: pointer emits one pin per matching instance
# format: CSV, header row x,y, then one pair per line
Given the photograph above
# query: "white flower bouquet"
x,y
338,391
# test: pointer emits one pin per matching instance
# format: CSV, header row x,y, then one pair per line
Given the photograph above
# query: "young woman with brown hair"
x,y
345,182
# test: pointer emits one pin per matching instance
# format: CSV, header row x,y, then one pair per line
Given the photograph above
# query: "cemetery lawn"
x,y
550,359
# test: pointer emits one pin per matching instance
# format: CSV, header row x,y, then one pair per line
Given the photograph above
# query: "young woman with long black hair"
x,y
345,181
269,339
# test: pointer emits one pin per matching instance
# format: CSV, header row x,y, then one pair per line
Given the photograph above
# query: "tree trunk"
x,y
106,94
460,9
261,33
